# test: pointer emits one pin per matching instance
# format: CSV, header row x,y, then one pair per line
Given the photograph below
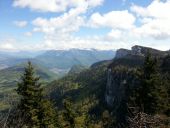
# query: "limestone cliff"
x,y
119,80
140,51
122,69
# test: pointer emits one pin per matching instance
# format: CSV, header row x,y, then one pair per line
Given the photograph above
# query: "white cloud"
x,y
54,5
59,32
6,46
139,11
156,28
29,34
155,20
114,34
21,24
113,19
66,23
157,9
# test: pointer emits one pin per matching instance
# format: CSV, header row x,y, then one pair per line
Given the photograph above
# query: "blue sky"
x,y
85,24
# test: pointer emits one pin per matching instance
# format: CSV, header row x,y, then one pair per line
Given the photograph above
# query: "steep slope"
x,y
122,70
106,80
122,77
88,83
76,69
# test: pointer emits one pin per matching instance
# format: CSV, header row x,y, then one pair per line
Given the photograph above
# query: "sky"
x,y
84,24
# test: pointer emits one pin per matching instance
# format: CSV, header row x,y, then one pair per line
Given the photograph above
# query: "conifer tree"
x,y
38,111
147,94
69,113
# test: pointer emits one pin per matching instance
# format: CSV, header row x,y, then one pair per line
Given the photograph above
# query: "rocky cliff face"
x,y
122,52
121,72
140,51
119,80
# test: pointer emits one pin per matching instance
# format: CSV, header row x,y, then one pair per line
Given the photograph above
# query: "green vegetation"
x,y
32,110
132,91
144,87
151,96
10,76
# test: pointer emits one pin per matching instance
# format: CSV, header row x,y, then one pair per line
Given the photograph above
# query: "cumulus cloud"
x,y
21,24
113,19
66,23
60,32
157,9
54,5
114,34
155,21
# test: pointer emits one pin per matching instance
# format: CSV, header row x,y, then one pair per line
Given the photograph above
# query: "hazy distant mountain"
x,y
8,61
49,65
57,61
65,59
21,54
9,58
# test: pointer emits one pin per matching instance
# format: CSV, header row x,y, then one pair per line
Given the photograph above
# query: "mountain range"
x,y
49,65
94,77
56,59
57,63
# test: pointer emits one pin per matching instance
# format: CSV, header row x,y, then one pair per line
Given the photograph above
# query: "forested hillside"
x,y
116,86
129,91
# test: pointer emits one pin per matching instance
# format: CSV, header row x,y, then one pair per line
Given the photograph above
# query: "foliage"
x,y
143,93
32,110
151,94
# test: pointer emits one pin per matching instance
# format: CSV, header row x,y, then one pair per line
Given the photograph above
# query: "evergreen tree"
x,y
69,113
148,93
47,115
38,111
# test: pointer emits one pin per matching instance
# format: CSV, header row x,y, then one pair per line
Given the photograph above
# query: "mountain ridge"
x,y
140,51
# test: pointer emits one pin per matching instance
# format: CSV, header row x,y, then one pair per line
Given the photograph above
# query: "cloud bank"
x,y
135,25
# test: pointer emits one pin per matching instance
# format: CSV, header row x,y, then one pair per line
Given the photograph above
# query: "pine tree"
x,y
38,111
69,113
147,94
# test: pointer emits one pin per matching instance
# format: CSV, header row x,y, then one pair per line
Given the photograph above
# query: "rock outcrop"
x,y
118,81
140,51
121,71
122,52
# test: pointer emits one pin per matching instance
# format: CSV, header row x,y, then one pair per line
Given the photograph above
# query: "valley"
x,y
103,86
